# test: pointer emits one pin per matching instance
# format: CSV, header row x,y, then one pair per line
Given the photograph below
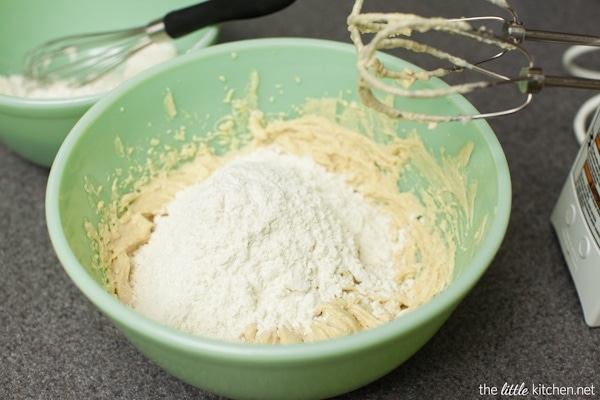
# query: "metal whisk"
x,y
395,31
81,59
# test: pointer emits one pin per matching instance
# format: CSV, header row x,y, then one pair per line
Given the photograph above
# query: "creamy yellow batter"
x,y
372,162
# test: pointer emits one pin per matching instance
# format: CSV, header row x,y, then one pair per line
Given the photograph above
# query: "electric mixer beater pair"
x,y
395,31
576,215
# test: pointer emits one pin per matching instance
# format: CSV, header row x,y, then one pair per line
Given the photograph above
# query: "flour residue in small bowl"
x,y
20,86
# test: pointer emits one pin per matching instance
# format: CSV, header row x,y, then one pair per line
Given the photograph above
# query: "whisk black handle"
x,y
187,20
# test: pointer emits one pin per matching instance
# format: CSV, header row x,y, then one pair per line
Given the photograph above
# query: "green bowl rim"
x,y
446,300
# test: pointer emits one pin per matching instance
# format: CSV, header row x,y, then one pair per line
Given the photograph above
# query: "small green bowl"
x,y
35,128
290,70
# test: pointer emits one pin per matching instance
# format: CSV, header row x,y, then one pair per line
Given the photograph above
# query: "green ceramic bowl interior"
x,y
290,70
35,128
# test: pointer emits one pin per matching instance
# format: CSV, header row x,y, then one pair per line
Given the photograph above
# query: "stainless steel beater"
x,y
396,31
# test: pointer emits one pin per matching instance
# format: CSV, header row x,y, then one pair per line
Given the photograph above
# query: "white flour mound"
x,y
265,240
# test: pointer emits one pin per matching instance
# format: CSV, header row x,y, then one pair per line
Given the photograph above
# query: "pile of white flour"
x,y
264,240
19,86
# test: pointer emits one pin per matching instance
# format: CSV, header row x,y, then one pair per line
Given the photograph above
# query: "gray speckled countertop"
x,y
521,323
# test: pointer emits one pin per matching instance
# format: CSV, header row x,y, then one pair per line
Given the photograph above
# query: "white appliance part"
x,y
576,220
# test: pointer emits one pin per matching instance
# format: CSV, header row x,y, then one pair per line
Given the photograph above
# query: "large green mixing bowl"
x,y
35,128
290,70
